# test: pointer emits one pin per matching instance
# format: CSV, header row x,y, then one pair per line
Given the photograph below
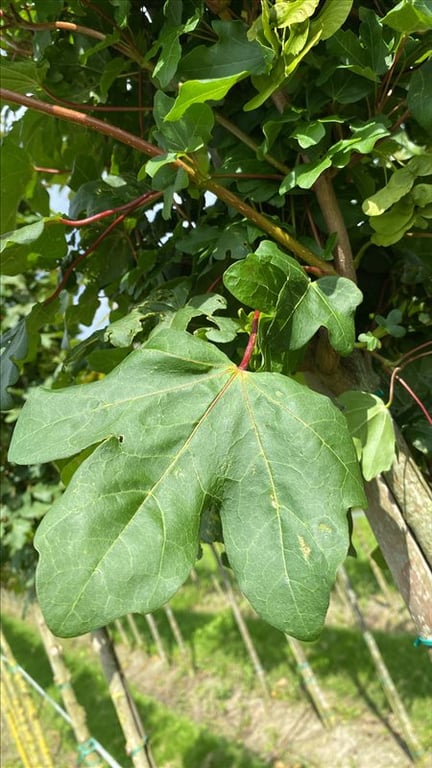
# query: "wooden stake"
x,y
415,749
62,678
134,629
137,745
311,683
156,637
241,624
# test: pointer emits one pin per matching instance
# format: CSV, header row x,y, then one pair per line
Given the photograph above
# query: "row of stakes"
x,y
24,725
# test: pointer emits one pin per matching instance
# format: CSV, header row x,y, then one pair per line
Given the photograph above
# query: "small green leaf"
x,y
195,92
152,166
371,341
187,134
399,185
333,14
308,134
392,225
183,429
284,14
410,16
371,428
391,323
304,175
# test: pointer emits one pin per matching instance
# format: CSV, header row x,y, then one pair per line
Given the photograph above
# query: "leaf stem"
x,y
251,343
246,139
416,399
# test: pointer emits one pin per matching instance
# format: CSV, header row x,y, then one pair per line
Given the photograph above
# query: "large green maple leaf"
x,y
178,429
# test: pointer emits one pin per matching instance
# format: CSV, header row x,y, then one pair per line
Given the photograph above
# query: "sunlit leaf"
x,y
180,429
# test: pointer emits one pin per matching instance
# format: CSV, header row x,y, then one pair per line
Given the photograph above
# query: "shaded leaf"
x,y
35,245
15,173
13,345
233,54
187,134
420,96
24,77
182,428
371,428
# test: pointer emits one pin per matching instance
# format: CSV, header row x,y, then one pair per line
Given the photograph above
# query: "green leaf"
x,y
284,14
15,173
274,283
392,225
329,302
400,183
22,236
333,14
121,12
13,346
420,96
308,134
233,54
188,133
33,246
212,71
371,34
182,429
195,92
410,16
371,428
304,175
24,77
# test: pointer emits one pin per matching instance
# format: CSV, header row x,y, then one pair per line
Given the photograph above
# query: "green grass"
x,y
339,659
174,739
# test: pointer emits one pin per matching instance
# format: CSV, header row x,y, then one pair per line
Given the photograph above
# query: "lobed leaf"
x,y
179,430
274,283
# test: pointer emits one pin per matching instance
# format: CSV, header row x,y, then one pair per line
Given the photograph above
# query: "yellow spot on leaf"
x,y
305,549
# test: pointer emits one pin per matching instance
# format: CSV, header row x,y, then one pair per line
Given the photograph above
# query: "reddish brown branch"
x,y
73,116
148,197
277,233
63,282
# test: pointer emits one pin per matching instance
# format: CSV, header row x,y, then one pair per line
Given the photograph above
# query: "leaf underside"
x,y
180,429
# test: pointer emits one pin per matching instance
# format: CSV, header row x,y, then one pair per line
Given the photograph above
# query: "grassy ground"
x,y
203,712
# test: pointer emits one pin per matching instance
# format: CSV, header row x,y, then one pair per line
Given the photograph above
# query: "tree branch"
x,y
331,211
266,225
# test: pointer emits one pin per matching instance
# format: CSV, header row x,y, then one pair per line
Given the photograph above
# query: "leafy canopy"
x,y
244,185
